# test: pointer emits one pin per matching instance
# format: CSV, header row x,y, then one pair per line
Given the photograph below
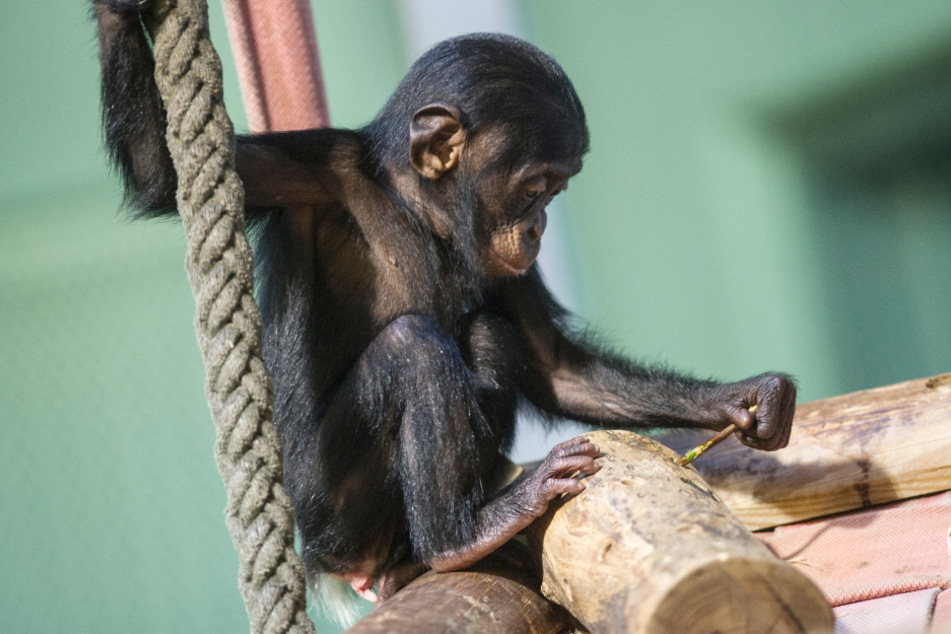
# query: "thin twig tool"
x,y
698,451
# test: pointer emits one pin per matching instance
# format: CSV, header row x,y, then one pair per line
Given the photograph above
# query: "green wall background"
x,y
754,200
701,235
111,509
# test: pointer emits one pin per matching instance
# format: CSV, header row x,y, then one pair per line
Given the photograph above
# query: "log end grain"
x,y
740,595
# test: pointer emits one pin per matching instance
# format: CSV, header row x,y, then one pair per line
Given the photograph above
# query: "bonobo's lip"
x,y
512,269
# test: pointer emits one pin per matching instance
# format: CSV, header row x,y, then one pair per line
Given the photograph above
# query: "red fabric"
x,y
879,552
886,565
275,50
906,613
941,617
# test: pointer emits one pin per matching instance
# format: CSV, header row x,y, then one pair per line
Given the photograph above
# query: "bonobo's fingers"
x,y
577,440
553,487
776,417
762,407
568,465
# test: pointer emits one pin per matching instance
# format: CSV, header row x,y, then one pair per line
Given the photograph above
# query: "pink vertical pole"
x,y
275,49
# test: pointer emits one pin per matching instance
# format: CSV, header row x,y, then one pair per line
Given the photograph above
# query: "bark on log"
x,y
649,548
499,594
846,453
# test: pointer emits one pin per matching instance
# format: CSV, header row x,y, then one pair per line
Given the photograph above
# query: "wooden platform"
x,y
846,453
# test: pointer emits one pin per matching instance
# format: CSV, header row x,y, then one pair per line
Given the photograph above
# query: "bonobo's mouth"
x,y
508,267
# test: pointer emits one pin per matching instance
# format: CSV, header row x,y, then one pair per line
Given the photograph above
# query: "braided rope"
x,y
219,264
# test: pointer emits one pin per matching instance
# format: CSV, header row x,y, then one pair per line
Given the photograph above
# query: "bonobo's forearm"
x,y
601,389
639,398
573,378
570,376
132,110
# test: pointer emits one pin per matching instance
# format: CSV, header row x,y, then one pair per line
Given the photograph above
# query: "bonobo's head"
x,y
480,135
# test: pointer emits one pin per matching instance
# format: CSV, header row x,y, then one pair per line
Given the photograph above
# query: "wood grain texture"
x,y
499,594
649,548
846,453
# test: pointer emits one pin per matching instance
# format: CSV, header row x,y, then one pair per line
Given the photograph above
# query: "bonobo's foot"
x,y
553,476
526,499
400,576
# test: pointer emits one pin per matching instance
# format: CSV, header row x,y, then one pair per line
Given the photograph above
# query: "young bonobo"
x,y
405,319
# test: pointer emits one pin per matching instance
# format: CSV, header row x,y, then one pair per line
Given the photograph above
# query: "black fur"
x,y
132,112
397,362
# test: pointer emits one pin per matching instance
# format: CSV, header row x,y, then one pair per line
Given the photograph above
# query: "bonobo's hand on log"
x,y
773,400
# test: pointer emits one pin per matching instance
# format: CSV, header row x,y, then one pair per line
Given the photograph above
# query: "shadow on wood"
x,y
846,453
499,594
649,548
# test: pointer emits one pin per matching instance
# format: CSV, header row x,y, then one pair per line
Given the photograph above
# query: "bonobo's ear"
x,y
436,138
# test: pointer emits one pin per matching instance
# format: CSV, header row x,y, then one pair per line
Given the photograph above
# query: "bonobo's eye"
x,y
534,188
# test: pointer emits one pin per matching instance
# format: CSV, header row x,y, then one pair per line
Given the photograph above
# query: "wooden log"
x,y
846,453
499,594
649,548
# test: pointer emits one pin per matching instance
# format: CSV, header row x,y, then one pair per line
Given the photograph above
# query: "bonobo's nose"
x,y
535,232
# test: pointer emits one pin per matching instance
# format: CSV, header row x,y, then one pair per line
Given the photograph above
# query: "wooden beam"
x,y
499,594
846,453
649,548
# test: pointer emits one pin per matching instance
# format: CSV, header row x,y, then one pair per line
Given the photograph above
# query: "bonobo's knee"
x,y
491,348
416,337
415,346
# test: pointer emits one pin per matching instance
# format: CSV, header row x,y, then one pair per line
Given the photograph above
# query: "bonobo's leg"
x,y
492,351
406,428
401,454
489,347
448,447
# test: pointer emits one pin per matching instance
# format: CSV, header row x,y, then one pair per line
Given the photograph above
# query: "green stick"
x,y
696,452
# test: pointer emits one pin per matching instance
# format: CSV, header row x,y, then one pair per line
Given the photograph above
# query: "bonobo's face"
x,y
512,209
504,174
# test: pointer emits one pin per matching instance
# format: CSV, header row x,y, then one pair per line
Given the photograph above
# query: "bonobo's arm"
x,y
303,167
278,169
132,112
572,378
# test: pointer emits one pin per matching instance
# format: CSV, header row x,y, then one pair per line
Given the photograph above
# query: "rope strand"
x,y
259,514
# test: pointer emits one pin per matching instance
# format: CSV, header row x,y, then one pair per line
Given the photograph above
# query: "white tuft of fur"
x,y
335,598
